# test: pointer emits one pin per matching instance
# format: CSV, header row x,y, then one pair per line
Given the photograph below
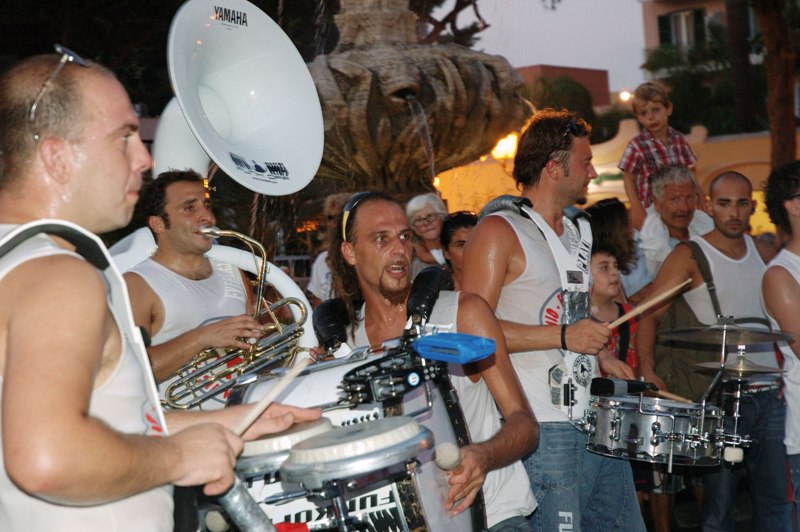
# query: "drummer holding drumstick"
x,y
371,258
83,439
737,269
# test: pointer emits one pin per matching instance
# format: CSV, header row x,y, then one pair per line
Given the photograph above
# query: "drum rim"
x,y
666,405
315,475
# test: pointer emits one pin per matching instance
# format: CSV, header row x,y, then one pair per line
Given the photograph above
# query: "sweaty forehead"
x,y
379,212
106,98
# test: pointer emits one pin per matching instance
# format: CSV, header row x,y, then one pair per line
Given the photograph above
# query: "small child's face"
x,y
653,116
605,276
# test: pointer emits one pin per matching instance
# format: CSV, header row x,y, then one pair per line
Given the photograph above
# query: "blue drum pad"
x,y
456,348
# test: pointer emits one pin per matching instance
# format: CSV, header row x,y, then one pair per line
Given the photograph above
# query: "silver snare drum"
x,y
656,430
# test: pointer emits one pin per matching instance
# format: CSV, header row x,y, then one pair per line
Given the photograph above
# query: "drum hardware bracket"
x,y
284,497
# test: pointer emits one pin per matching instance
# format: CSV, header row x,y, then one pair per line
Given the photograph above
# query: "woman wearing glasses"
x,y
425,214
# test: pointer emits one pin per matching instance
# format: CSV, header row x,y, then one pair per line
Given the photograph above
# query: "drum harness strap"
x,y
575,374
92,249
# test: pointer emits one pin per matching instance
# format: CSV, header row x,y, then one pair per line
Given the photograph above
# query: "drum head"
x,y
283,441
265,455
355,450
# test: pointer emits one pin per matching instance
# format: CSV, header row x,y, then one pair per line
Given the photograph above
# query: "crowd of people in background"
x,y
635,255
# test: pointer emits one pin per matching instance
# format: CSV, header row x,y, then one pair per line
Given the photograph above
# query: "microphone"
x,y
330,322
425,291
602,386
447,456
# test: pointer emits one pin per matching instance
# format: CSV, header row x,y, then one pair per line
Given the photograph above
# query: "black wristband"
x,y
564,337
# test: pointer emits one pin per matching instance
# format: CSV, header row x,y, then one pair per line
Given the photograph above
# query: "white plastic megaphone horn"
x,y
245,94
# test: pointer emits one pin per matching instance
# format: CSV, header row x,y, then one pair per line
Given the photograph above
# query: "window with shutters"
x,y
682,29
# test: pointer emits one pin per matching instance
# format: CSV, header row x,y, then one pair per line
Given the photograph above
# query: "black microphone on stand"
x,y
424,293
603,386
330,321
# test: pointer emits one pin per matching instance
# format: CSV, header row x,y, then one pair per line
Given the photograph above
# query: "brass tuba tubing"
x,y
214,370
209,373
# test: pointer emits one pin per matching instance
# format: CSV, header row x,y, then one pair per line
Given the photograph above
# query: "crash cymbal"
x,y
734,335
740,366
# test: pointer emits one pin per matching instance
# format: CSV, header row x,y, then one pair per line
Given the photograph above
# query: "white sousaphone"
x,y
245,100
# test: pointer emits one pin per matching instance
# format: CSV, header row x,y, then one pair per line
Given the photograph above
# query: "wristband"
x,y
564,337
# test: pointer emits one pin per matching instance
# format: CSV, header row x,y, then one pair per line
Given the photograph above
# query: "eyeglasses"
x,y
348,208
67,56
427,219
572,127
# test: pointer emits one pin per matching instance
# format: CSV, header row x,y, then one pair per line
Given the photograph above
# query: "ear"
x,y
669,109
792,208
156,224
349,253
552,167
57,158
753,205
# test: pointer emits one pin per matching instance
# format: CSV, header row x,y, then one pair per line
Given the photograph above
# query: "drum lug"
x,y
591,420
658,436
616,425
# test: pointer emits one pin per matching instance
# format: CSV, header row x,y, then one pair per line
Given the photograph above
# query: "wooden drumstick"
x,y
673,396
644,306
262,405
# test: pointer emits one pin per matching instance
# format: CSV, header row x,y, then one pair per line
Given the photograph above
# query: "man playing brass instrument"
x,y
186,300
83,439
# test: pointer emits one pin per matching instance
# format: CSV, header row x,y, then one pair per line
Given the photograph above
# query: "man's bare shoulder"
x,y
51,276
493,233
59,294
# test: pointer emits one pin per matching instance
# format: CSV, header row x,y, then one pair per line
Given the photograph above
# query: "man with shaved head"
x,y
736,269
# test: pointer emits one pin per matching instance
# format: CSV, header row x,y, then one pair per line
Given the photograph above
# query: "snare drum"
x,y
656,430
404,505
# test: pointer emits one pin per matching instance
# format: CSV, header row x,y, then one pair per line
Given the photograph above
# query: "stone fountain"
x,y
397,112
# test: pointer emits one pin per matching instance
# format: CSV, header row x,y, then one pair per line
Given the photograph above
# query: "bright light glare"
x,y
506,148
625,96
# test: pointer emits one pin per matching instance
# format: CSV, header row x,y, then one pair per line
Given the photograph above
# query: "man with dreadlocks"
x,y
371,257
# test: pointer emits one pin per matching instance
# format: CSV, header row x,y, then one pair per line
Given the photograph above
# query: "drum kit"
x,y
657,430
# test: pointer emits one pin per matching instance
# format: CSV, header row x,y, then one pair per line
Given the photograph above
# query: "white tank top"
x,y
738,285
506,491
126,402
534,298
189,304
791,263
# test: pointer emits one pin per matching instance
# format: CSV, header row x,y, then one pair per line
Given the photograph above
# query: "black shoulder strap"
x,y
705,271
84,245
624,336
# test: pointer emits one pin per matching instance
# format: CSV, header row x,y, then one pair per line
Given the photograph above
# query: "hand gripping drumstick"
x,y
262,405
644,306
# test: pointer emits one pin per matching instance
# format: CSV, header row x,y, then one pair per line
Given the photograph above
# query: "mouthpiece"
x,y
210,231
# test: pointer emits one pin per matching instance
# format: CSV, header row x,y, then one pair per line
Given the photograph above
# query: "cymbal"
x,y
741,366
734,335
